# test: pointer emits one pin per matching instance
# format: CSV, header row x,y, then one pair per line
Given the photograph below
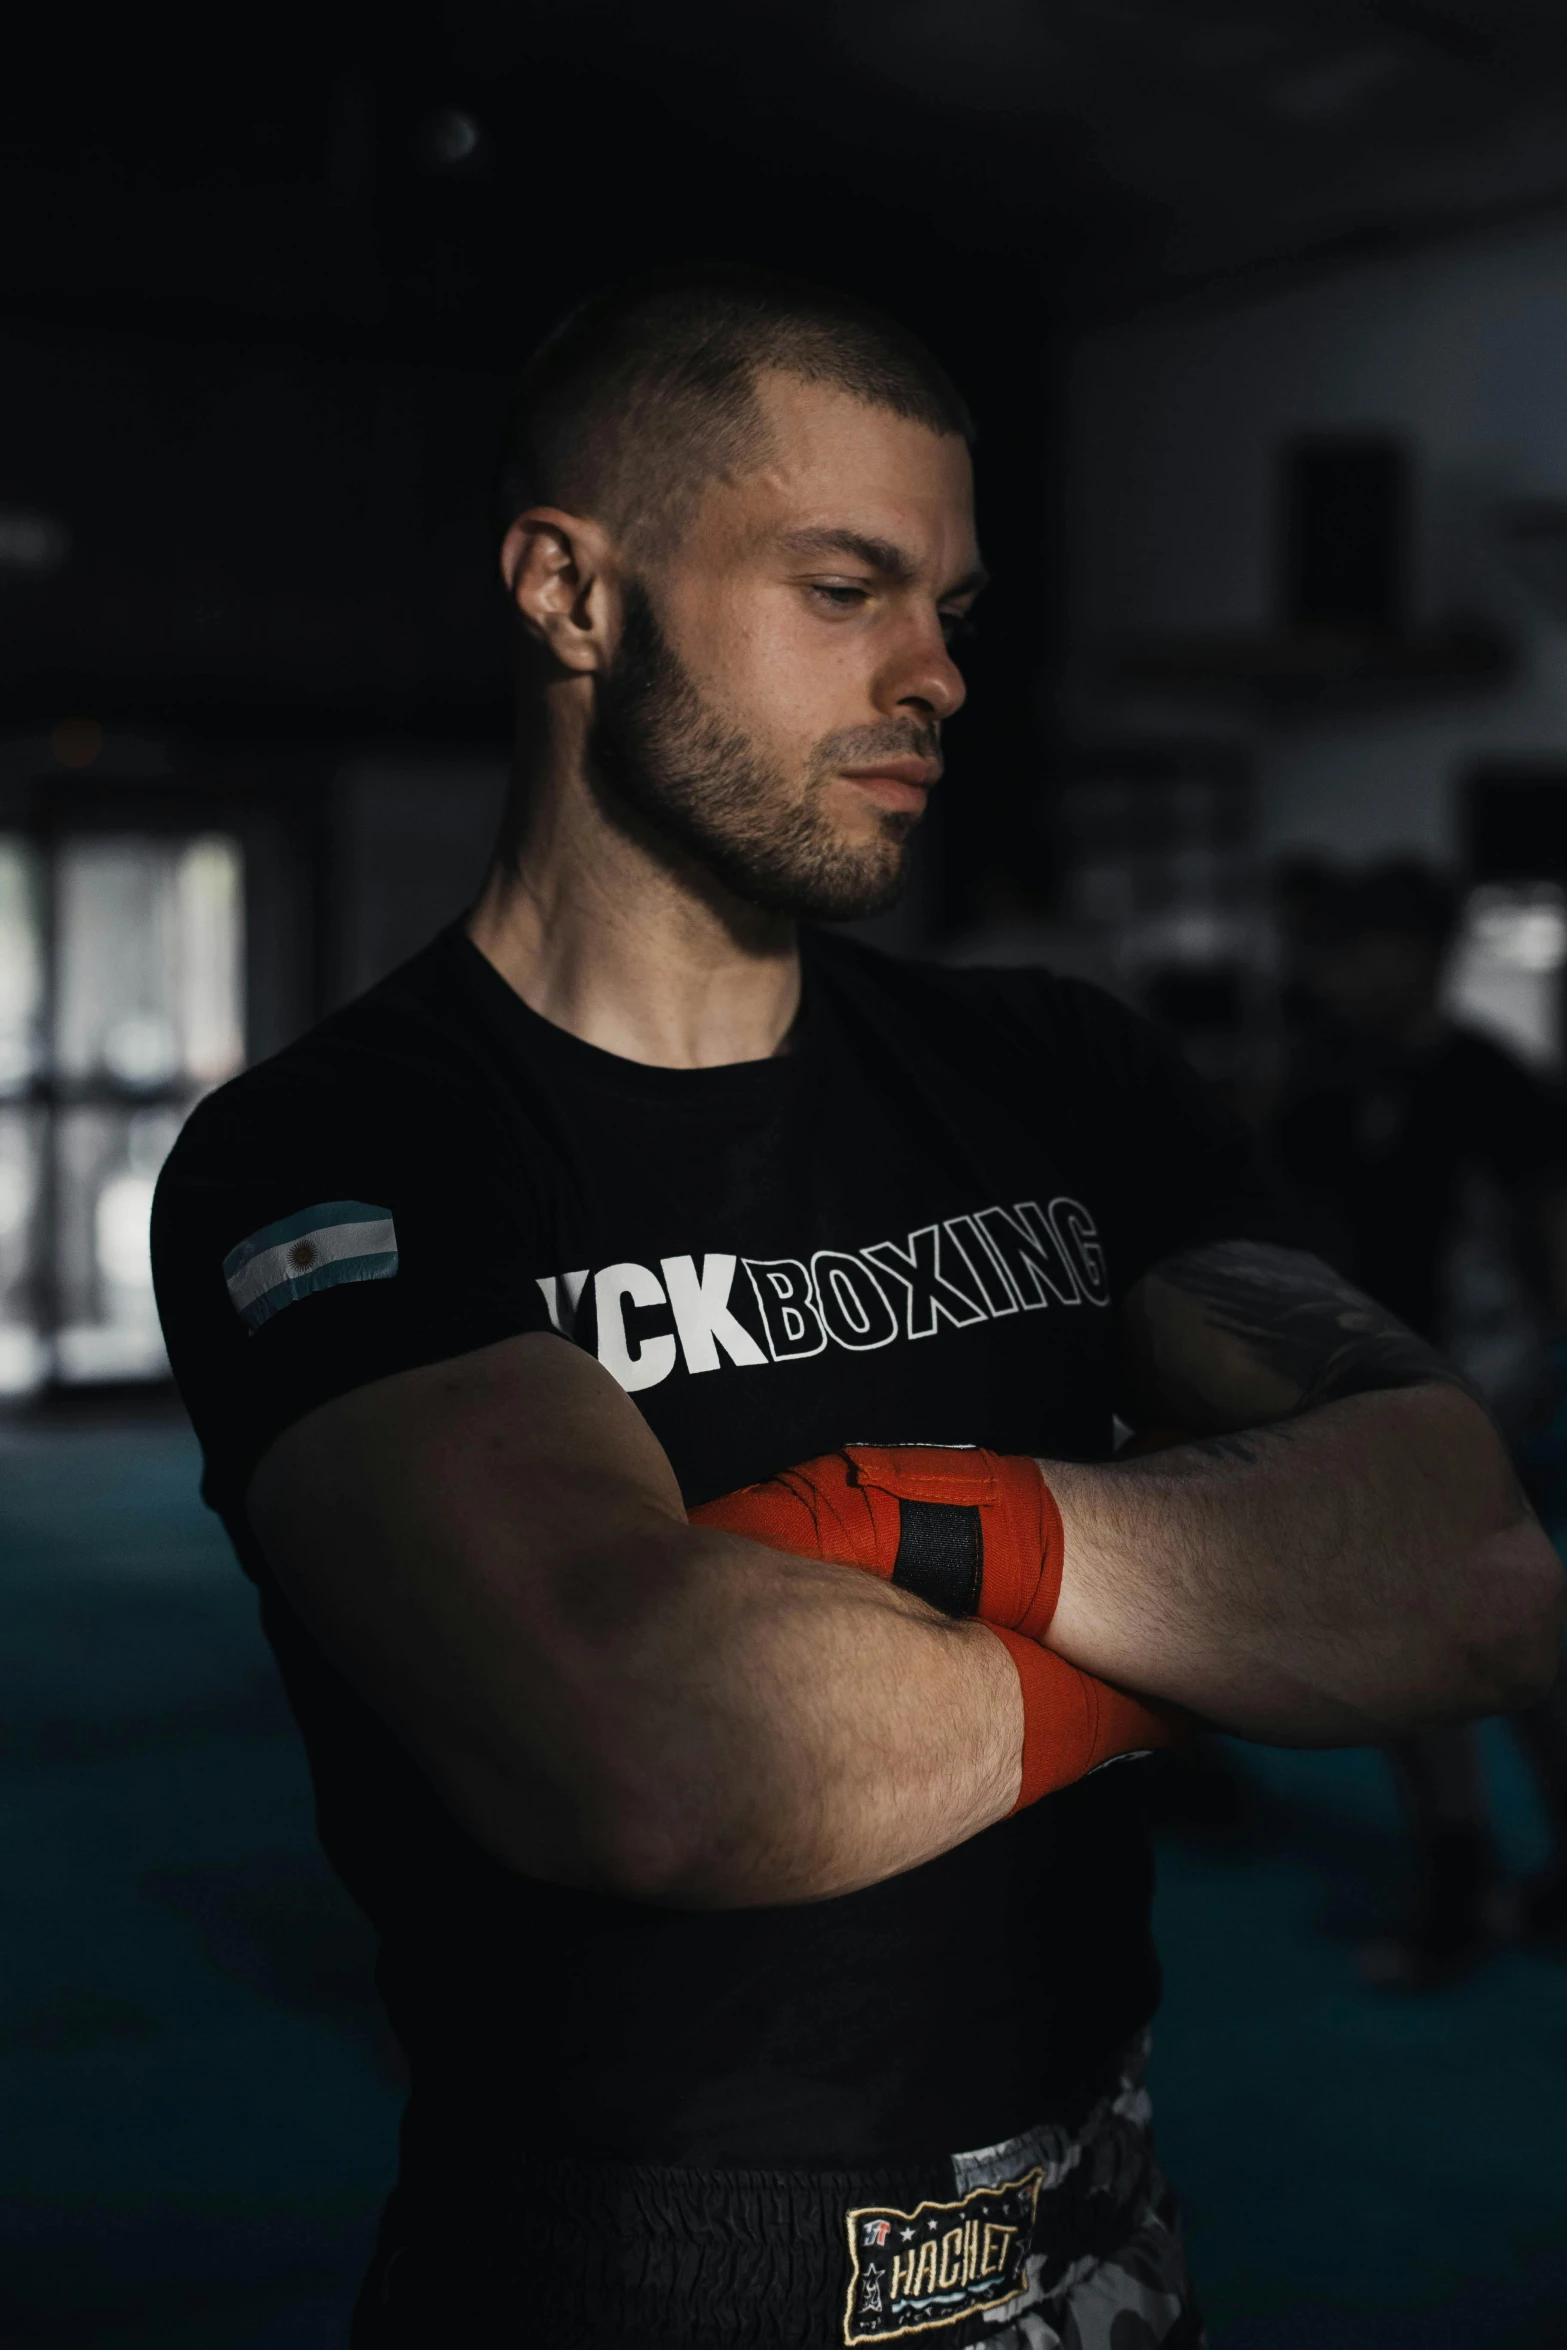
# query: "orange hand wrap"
x,y
975,1533
1073,1722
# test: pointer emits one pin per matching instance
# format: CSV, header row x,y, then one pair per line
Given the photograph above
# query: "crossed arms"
x,y
495,1551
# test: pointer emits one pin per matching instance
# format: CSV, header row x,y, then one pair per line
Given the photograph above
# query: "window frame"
x,y
276,808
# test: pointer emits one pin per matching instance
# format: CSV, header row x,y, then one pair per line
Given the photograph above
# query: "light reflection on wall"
x,y
1505,974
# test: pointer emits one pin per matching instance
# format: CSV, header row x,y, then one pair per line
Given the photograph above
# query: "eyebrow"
x,y
880,554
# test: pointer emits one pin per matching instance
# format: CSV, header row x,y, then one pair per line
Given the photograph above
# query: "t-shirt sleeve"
x,y
310,1238
1173,1166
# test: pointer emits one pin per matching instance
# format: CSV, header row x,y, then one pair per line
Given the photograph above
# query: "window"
x,y
121,1003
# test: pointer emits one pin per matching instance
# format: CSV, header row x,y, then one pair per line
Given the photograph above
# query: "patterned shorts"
x,y
1113,2276
1064,2238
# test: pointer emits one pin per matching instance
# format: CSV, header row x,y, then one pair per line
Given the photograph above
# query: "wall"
x,y
1173,425
247,529
412,837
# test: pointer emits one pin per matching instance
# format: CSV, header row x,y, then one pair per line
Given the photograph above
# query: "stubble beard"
x,y
661,753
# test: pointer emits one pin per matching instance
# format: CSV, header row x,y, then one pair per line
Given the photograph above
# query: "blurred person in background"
x,y
1429,1165
1019,928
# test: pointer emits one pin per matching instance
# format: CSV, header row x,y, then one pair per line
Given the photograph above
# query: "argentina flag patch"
x,y
323,1247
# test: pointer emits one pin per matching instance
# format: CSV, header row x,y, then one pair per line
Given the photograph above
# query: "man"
x,y
754,1988
1431,1166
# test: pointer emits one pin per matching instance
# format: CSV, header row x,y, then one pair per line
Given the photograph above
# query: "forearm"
x,y
748,1728
608,1696
1365,1567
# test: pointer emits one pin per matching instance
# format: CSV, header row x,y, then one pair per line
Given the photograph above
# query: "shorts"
x,y
1063,2238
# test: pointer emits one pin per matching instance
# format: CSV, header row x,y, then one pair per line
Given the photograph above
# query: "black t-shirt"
x,y
913,1227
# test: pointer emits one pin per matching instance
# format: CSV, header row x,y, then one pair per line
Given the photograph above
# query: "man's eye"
x,y
959,628
841,598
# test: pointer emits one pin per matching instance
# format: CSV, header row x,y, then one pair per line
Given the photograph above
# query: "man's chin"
x,y
871,879
842,890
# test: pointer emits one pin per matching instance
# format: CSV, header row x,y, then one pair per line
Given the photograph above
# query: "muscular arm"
x,y
496,1552
1340,1552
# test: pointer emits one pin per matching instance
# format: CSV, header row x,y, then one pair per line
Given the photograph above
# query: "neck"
x,y
623,942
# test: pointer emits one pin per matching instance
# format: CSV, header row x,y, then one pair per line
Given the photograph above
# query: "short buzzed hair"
x,y
648,390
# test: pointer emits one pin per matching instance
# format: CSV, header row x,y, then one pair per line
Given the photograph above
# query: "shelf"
x,y
1312,668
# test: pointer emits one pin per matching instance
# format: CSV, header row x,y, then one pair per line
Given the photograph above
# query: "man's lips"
x,y
897,783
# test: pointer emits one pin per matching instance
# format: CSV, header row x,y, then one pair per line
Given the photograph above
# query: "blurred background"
x,y
1262,307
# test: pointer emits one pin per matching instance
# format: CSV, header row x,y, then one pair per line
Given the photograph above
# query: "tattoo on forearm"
x,y
1303,1322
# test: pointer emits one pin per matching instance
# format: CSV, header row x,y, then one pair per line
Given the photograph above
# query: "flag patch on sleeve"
x,y
323,1247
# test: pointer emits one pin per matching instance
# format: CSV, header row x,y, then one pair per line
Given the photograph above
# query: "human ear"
x,y
557,571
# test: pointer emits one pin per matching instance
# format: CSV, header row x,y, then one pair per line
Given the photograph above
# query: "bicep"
x,y
446,1534
1241,1332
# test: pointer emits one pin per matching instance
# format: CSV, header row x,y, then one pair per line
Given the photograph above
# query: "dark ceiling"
x,y
435,190
263,285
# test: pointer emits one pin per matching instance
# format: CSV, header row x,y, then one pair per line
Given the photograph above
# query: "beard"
x,y
660,754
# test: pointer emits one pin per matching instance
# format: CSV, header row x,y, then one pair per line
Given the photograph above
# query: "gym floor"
x,y
200,2102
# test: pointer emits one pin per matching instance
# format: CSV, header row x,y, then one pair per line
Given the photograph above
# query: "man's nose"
x,y
927,681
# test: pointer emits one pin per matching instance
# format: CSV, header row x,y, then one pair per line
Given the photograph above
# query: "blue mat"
x,y
1358,2169
198,2099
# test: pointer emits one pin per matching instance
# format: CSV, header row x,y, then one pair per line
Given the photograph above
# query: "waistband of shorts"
x,y
687,2257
